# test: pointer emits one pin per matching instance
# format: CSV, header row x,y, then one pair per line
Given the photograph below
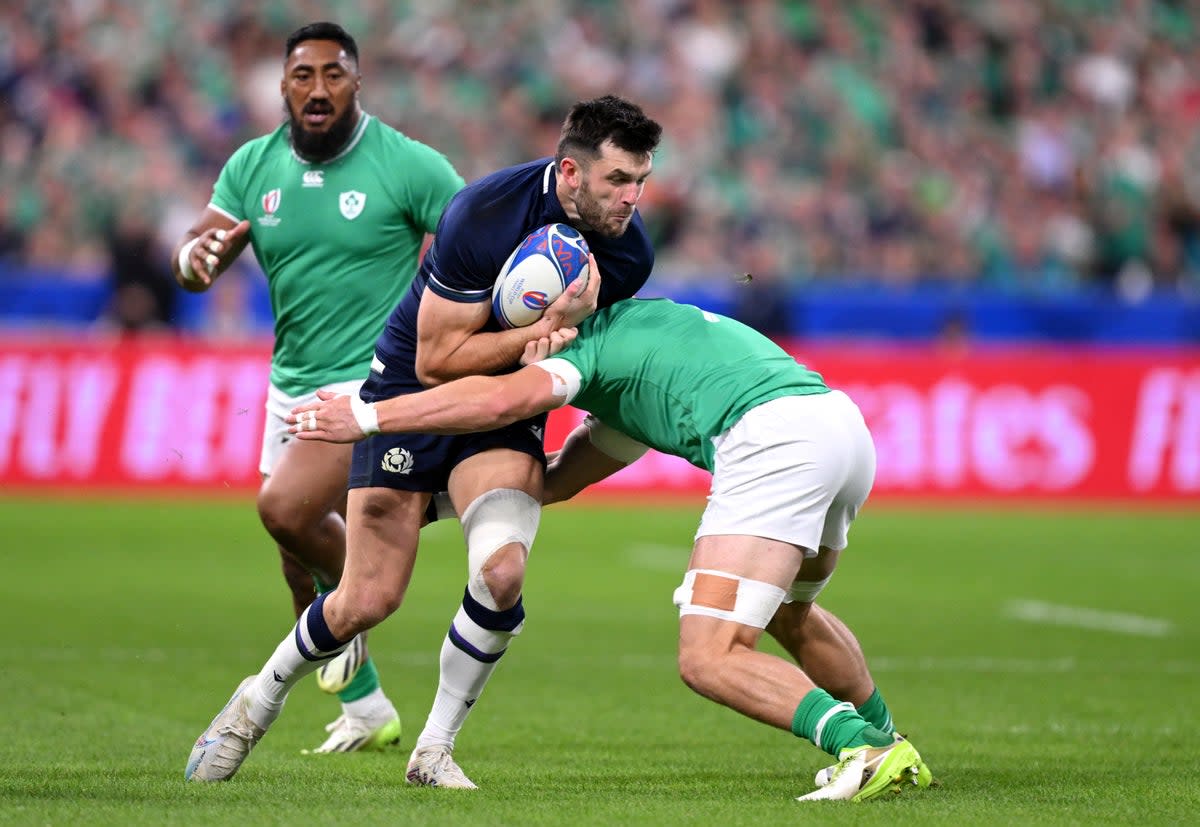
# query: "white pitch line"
x,y
1037,611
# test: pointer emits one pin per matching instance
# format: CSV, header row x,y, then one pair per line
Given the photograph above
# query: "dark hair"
x,y
321,31
592,122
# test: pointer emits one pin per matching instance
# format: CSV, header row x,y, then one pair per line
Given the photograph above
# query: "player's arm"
x,y
451,344
590,453
467,405
209,247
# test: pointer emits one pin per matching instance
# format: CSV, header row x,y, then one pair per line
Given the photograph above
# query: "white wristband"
x,y
185,260
364,414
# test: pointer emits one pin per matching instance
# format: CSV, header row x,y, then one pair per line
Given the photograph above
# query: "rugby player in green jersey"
x,y
336,206
792,462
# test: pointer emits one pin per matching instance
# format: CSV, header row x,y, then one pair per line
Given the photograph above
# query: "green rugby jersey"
x,y
673,376
338,241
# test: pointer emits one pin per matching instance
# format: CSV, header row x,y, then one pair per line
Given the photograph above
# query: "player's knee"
x,y
699,667
499,527
504,574
362,609
281,516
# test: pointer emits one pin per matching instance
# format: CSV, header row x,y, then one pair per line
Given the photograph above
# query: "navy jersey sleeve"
x,y
465,257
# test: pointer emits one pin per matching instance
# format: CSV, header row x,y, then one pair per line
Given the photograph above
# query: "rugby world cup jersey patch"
x,y
270,203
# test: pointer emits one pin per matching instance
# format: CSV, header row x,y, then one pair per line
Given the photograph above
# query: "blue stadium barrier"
x,y
32,300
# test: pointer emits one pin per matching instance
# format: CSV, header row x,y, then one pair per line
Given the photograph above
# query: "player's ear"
x,y
570,170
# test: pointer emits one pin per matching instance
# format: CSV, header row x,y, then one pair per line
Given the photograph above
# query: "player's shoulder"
x,y
505,188
379,132
498,205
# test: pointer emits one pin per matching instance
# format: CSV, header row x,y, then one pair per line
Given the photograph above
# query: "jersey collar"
x,y
550,192
355,136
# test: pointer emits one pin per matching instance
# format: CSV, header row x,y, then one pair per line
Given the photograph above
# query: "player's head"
x,y
604,155
320,88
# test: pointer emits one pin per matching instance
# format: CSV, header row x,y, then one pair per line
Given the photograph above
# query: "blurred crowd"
x,y
1034,145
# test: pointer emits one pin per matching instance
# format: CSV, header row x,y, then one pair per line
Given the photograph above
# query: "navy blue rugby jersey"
x,y
481,226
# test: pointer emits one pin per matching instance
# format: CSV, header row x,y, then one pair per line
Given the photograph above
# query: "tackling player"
x,y
792,463
336,206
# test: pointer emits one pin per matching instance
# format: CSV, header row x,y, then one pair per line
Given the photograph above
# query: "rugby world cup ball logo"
x,y
537,272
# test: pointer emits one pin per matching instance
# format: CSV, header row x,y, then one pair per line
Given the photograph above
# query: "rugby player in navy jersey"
x,y
443,329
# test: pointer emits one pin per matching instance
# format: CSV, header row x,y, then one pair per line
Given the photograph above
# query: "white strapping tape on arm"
x,y
567,378
364,414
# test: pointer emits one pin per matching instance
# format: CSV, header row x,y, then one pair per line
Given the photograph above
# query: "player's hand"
x,y
547,346
330,420
211,250
577,302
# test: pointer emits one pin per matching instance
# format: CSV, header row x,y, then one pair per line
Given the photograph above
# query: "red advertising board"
x,y
991,423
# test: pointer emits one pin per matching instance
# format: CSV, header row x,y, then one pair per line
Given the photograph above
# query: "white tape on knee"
x,y
728,597
492,521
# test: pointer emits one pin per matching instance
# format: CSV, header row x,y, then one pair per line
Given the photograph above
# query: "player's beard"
x,y
593,215
321,146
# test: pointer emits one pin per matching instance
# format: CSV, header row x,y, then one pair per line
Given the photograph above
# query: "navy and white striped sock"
x,y
477,639
300,653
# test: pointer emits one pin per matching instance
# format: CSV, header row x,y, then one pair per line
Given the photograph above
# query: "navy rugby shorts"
x,y
423,462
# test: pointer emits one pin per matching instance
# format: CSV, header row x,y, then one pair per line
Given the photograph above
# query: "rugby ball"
x,y
537,272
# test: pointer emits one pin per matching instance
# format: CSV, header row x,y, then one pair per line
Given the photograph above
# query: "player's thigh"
x,y
298,475
309,479
491,470
382,529
752,557
733,586
509,457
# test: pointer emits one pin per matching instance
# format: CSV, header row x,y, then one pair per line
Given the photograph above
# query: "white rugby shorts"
x,y
275,430
795,469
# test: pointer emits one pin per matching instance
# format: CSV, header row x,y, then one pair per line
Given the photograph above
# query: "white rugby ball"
x,y
537,272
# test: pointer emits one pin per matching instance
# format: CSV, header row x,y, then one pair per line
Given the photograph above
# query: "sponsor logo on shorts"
x,y
397,461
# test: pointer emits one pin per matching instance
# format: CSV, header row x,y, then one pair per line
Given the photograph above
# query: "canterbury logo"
x,y
397,461
314,178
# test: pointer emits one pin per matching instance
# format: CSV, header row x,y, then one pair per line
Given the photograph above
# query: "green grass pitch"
x,y
1045,661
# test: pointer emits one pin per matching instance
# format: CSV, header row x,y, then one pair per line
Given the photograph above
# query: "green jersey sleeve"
x,y
428,183
229,191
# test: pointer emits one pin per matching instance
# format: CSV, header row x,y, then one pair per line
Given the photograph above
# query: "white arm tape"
x,y
566,377
185,260
617,445
364,414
